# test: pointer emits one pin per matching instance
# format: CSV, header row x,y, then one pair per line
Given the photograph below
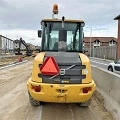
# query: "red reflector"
x,y
49,67
87,89
36,88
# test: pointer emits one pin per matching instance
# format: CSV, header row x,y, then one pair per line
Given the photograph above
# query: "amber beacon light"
x,y
55,9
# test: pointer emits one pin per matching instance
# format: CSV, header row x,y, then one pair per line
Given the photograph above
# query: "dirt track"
x,y
15,104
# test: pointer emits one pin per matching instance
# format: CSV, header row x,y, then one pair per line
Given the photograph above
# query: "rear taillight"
x,y
36,88
86,89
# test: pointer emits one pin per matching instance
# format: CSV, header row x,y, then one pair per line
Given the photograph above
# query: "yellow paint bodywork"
x,y
86,62
38,60
62,93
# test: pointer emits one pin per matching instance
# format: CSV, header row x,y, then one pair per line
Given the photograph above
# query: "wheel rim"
x,y
110,69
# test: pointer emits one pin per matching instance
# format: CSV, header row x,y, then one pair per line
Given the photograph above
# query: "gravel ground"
x,y
9,60
15,103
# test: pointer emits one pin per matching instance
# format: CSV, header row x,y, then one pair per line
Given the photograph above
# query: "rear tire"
x,y
85,104
110,68
33,102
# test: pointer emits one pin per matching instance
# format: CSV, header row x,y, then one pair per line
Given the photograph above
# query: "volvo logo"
x,y
62,71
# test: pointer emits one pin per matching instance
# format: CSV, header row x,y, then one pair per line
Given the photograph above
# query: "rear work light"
x,y
36,88
86,89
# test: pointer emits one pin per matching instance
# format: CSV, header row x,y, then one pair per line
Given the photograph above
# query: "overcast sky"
x,y
21,18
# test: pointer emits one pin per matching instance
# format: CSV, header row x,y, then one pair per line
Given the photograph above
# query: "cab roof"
x,y
60,20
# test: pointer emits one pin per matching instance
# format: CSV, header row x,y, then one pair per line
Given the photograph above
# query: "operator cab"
x,y
62,35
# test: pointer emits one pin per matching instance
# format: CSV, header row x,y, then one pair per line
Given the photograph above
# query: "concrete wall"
x,y
108,84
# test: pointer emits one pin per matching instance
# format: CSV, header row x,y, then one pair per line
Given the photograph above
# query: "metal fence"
x,y
6,45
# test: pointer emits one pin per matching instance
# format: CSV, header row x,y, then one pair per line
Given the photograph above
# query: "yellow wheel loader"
x,y
61,72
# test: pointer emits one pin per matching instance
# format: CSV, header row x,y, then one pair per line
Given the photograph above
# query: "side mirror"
x,y
85,51
39,33
115,61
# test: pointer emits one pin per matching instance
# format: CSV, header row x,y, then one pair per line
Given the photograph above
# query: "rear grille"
x,y
64,61
73,75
